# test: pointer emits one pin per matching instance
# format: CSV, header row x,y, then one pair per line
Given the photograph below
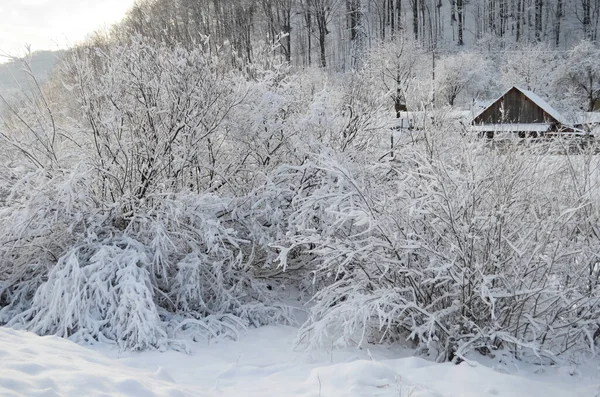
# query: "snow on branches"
x,y
469,249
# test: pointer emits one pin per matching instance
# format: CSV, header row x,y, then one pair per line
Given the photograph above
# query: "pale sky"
x,y
54,24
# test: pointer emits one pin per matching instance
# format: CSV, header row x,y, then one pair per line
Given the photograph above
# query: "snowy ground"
x,y
264,363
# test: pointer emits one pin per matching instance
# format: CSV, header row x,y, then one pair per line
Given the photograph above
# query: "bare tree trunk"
x,y
392,17
350,18
321,10
359,45
322,28
285,12
278,14
415,9
399,12
382,20
520,5
539,8
355,14
493,18
308,20
460,12
438,20
559,15
322,36
586,18
423,21
268,9
502,14
596,18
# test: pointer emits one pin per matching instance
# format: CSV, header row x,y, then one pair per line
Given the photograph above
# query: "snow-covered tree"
x,y
531,66
398,64
581,73
465,73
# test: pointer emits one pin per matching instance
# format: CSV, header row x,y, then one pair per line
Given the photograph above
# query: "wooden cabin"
x,y
521,112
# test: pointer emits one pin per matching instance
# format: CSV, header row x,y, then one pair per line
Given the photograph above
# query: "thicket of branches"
x,y
453,246
152,192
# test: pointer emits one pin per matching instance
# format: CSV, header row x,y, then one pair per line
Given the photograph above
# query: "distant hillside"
x,y
12,75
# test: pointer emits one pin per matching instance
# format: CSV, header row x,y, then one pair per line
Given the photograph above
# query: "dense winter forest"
x,y
339,32
469,49
206,166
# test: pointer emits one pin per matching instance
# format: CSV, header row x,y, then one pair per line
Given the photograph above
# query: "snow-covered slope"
x,y
265,363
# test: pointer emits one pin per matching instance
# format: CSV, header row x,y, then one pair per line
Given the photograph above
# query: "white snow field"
x,y
265,363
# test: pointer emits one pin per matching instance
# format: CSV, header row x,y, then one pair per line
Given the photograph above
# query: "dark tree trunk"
x,y
354,13
392,17
322,37
460,12
399,12
308,20
559,15
502,15
415,7
586,20
539,8
321,12
423,20
278,14
520,4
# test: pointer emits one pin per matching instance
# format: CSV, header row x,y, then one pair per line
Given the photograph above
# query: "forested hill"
x,y
335,33
13,74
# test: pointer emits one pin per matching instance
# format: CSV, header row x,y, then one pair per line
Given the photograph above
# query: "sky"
x,y
54,24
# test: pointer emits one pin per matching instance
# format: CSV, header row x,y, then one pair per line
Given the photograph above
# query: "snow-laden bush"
x,y
152,116
162,190
41,219
453,245
178,264
105,294
208,260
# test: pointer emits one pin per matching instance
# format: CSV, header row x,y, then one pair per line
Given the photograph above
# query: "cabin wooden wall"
x,y
518,108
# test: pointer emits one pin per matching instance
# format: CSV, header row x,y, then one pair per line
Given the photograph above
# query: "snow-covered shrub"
x,y
30,127
42,219
452,245
105,295
159,208
208,260
153,116
179,264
